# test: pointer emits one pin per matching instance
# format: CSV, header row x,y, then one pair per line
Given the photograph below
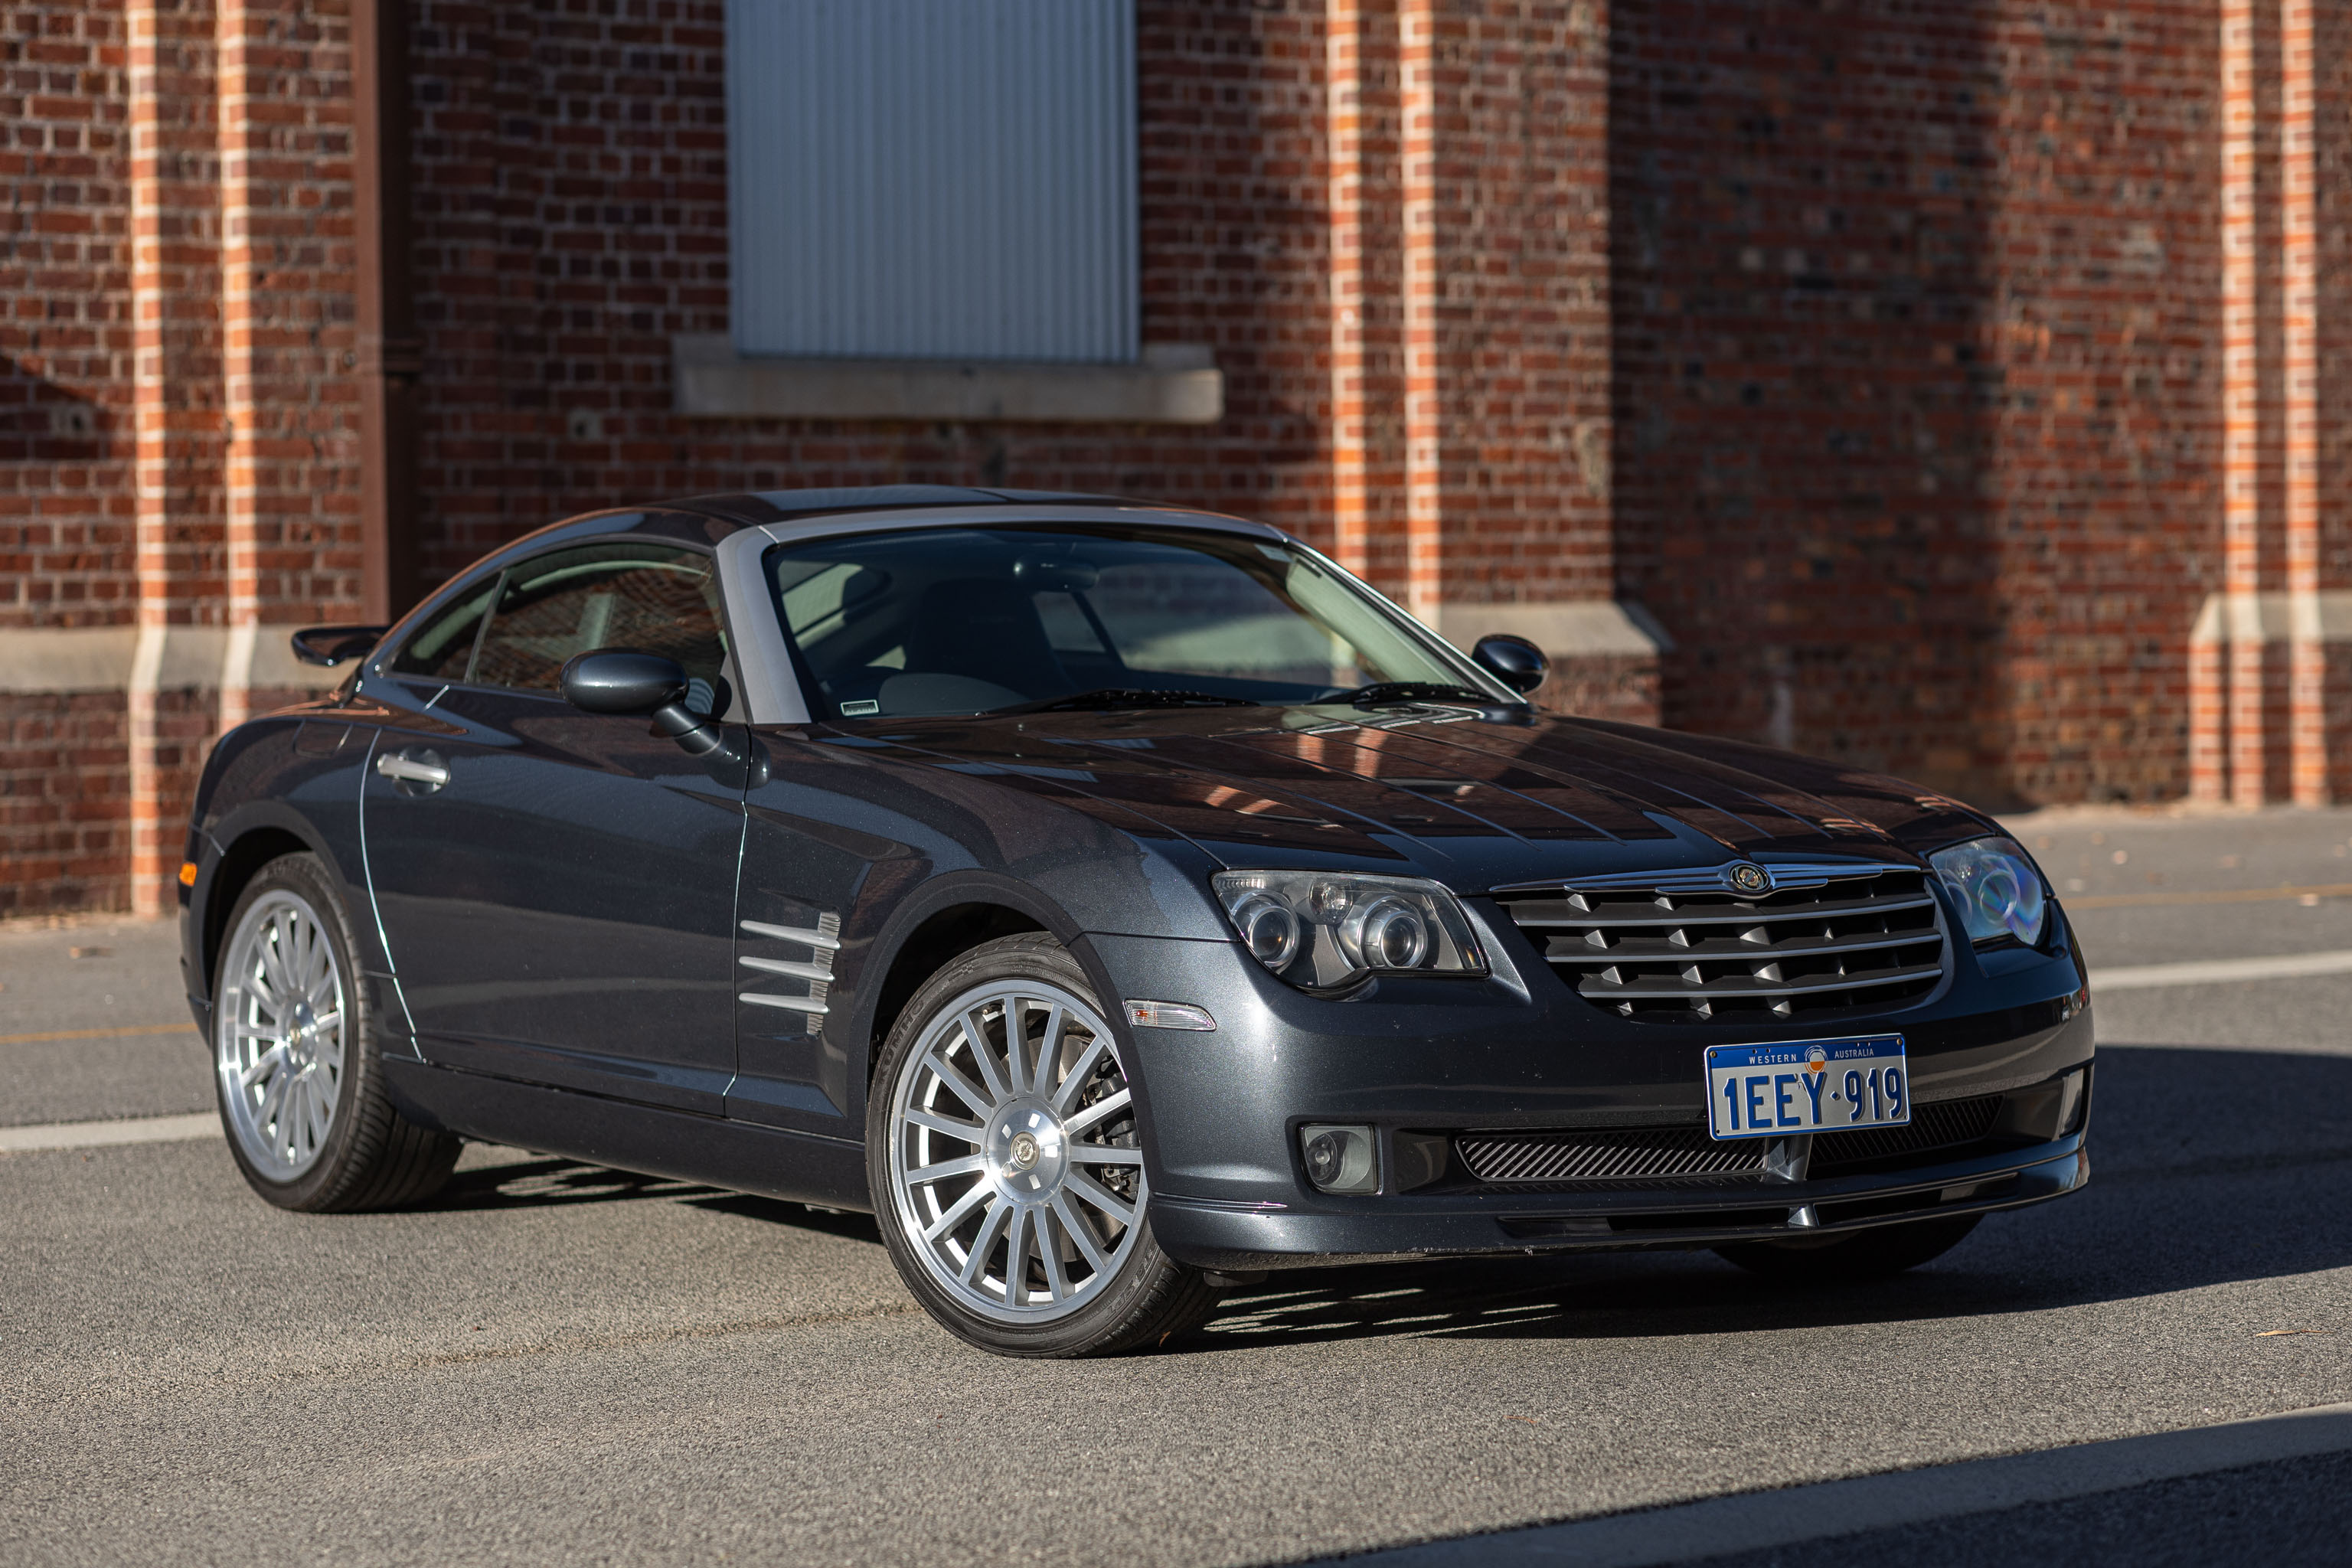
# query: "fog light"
x,y
1340,1159
2070,1101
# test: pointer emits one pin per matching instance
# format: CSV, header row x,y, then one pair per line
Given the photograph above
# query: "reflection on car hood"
x,y
1472,802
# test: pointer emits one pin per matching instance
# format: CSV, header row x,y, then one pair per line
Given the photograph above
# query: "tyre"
x,y
1872,1254
300,1088
1006,1163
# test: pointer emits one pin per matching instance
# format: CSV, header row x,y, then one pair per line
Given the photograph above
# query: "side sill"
x,y
646,1139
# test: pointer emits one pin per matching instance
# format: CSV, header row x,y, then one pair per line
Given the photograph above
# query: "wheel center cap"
x,y
298,1032
1027,1150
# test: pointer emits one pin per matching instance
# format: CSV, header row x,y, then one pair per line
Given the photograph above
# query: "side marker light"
x,y
1169,1015
187,873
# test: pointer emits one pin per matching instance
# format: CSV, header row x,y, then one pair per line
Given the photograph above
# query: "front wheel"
x,y
1872,1254
1006,1163
301,1095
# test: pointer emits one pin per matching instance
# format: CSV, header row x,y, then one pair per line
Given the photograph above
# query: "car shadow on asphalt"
x,y
2187,1143
550,1181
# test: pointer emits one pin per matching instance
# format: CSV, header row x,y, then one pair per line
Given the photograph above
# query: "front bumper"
x,y
1235,1237
1522,1051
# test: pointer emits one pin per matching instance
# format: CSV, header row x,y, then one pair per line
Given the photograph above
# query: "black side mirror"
x,y
330,646
623,682
1518,663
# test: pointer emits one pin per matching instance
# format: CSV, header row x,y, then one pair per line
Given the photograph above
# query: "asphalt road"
x,y
561,1363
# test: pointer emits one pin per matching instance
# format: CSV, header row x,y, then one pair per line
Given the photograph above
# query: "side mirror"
x,y
330,646
625,682
1518,663
621,681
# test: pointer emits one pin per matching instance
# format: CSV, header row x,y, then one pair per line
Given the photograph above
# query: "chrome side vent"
x,y
816,972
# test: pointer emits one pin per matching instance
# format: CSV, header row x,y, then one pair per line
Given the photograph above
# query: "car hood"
x,y
1442,792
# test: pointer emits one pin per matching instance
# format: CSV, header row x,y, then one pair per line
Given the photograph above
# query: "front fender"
x,y
272,786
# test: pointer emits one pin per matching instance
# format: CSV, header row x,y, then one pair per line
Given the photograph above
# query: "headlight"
x,y
1998,888
1320,928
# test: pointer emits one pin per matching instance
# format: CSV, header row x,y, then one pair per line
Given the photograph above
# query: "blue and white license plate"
x,y
1807,1085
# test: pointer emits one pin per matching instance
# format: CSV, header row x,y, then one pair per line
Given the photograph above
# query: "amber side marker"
x,y
187,873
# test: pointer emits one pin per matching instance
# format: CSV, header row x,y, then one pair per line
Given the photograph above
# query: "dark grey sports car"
x,y
1119,901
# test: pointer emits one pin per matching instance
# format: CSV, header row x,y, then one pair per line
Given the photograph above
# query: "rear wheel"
x,y
1006,1163
300,1090
1872,1254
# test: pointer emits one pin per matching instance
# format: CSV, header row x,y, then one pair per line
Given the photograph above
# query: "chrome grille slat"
x,y
1855,938
1718,989
1735,949
1698,917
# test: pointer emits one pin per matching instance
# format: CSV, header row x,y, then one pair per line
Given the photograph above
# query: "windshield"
x,y
977,619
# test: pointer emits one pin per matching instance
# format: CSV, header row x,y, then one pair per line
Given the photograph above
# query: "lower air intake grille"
x,y
1681,947
1656,1153
1942,1125
1604,1156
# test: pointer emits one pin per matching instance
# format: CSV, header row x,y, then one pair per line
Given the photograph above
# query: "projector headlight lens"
x,y
1320,928
1998,887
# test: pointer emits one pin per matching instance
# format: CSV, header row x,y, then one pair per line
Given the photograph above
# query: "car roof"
x,y
754,509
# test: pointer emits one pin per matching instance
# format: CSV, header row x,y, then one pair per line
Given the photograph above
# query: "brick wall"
x,y
1802,195
1881,347
2100,339
570,200
1918,357
65,419
64,374
64,803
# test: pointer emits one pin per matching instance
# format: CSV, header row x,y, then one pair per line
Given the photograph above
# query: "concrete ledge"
x,y
2274,617
1174,384
59,661
1563,629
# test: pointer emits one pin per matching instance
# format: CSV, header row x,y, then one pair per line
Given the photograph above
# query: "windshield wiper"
x,y
1111,697
1408,691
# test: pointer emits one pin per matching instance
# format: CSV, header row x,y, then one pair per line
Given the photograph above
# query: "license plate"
x,y
1807,1085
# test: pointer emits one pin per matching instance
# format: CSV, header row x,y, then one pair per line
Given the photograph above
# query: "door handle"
x,y
426,771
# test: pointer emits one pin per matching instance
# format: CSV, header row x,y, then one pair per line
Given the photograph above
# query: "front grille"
x,y
1942,1125
1647,1152
1683,947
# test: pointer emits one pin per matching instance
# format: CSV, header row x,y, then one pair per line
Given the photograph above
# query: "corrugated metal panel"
x,y
933,179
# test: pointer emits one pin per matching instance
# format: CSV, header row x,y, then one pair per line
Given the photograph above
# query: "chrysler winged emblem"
x,y
1747,877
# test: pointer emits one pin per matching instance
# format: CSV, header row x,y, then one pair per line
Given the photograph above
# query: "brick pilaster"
x,y
173,280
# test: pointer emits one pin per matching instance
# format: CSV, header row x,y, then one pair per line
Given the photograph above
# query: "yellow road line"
x,y
125,1032
2221,896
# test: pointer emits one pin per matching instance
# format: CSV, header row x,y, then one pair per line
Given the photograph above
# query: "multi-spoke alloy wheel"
x,y
279,1035
302,1092
1007,1163
1015,1160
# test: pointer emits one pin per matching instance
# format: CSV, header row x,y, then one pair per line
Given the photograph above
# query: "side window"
x,y
647,596
445,647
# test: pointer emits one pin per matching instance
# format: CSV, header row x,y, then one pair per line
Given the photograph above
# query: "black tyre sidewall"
x,y
332,1175
1151,1296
